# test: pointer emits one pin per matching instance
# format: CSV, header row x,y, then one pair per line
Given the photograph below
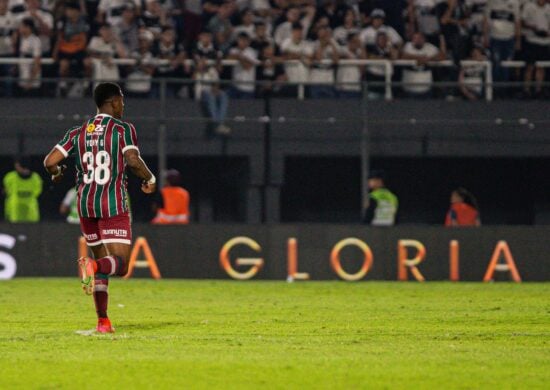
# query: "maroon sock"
x,y
101,296
110,265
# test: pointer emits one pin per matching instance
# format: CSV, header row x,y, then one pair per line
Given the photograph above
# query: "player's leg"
x,y
86,266
111,259
100,291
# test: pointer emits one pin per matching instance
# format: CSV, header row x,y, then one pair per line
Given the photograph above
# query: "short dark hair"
x,y
105,91
23,160
297,26
29,22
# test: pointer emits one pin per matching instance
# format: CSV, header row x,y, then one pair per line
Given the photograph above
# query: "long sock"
x,y
110,265
101,295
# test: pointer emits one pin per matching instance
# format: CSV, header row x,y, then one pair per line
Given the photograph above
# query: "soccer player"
x,y
102,147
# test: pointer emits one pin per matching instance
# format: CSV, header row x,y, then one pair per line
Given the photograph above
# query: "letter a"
x,y
149,262
510,265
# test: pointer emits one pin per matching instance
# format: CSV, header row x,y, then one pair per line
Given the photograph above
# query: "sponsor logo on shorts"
x,y
91,237
114,232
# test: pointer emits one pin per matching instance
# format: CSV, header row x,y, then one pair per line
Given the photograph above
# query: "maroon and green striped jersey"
x,y
98,146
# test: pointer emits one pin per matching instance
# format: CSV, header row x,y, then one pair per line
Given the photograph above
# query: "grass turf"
x,y
224,334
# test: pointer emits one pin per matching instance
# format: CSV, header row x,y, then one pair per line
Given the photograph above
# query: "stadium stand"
x,y
299,42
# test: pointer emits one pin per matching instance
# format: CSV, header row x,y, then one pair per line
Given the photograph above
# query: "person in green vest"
x,y
382,205
22,188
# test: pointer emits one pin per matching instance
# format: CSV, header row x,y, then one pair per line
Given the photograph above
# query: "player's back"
x,y
98,146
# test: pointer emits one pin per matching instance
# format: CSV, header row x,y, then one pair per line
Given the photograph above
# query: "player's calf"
x,y
112,265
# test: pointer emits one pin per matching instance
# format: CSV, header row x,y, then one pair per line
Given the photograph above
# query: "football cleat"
x,y
86,272
104,326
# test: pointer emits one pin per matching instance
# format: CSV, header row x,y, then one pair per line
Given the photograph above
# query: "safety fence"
x,y
388,67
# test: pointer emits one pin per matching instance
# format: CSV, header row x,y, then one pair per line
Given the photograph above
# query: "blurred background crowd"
x,y
271,41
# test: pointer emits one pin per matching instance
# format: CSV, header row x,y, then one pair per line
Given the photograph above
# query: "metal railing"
x,y
388,66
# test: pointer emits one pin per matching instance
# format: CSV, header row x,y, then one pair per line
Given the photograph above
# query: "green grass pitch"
x,y
174,334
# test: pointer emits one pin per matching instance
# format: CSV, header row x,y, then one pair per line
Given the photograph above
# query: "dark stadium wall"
x,y
50,249
304,165
327,189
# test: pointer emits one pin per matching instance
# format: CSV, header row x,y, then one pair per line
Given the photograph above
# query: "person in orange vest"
x,y
175,201
464,210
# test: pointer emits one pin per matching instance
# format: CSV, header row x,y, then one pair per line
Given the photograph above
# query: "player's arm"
x,y
51,163
140,169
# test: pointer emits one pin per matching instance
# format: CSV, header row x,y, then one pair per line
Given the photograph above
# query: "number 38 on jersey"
x,y
97,167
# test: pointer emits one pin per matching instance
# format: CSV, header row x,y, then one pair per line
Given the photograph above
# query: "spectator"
x,y
205,49
471,77
244,73
322,74
16,7
296,48
454,27
209,9
213,99
174,54
261,7
70,46
284,30
261,37
110,11
349,76
423,16
334,10
155,17
7,34
536,21
138,81
102,50
221,27
476,12
246,26
174,205
418,79
69,208
43,24
22,187
502,33
464,210
188,20
127,28
349,26
394,10
382,49
30,47
271,71
382,205
368,35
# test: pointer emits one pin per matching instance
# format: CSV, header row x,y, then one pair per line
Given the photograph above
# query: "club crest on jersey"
x,y
90,128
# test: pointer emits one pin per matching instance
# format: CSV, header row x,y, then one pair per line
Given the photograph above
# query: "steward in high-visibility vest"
x,y
464,210
175,199
22,188
382,204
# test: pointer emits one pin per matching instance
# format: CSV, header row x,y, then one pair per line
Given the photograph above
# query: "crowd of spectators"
x,y
85,36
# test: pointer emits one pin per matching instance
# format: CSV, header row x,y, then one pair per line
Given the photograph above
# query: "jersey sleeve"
x,y
129,138
67,144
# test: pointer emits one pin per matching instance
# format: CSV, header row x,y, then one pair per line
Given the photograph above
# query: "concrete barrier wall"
x,y
50,249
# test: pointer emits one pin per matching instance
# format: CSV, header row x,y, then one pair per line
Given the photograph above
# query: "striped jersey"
x,y
98,146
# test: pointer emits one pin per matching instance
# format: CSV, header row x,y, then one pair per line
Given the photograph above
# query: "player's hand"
x,y
148,188
57,178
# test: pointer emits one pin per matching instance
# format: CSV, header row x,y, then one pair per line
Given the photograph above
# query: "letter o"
x,y
337,266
